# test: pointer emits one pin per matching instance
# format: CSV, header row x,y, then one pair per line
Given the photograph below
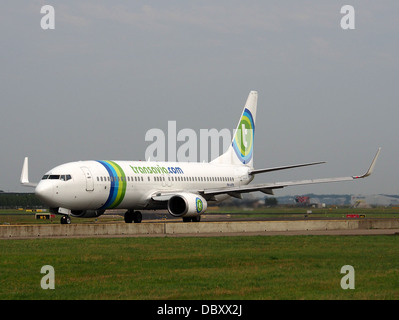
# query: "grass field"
x,y
279,267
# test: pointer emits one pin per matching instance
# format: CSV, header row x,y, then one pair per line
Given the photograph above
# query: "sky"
x,y
112,70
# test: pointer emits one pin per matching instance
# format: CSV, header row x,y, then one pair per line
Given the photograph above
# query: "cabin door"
x,y
89,179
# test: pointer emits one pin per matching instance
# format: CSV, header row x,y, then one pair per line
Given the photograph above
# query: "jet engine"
x,y
187,205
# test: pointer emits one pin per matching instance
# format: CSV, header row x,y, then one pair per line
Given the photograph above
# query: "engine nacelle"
x,y
87,213
187,205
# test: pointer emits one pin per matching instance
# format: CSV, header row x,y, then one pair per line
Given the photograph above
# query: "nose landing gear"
x,y
133,216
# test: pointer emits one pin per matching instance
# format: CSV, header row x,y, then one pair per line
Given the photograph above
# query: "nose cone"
x,y
45,192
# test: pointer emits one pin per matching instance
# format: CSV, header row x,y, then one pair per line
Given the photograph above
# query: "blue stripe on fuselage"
x,y
114,184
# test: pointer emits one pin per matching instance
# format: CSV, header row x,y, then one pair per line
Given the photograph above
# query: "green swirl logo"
x,y
199,205
244,137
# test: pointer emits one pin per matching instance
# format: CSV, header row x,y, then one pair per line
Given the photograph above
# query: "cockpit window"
x,y
62,177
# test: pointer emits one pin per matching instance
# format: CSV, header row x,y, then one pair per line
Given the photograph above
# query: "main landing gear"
x,y
133,216
65,220
192,219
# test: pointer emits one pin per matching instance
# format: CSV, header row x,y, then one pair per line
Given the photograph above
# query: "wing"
x,y
209,194
269,187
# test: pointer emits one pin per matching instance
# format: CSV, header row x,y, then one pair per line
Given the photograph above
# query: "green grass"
x,y
279,267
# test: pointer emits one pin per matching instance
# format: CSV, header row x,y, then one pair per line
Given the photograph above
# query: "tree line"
x,y
19,200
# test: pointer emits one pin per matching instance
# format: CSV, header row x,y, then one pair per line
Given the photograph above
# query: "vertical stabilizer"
x,y
241,149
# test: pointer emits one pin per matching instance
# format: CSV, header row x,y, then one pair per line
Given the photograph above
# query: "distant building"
x,y
365,201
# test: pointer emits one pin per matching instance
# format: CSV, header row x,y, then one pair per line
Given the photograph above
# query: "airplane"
x,y
86,189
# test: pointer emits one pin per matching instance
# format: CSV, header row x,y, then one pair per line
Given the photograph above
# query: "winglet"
x,y
371,169
25,175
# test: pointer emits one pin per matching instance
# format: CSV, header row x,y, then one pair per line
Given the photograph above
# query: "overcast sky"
x,y
112,70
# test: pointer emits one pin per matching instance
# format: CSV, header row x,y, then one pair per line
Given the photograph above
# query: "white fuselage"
x,y
101,185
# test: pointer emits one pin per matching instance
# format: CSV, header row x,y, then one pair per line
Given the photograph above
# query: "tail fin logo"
x,y
244,137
